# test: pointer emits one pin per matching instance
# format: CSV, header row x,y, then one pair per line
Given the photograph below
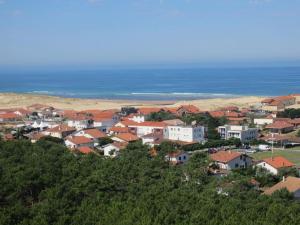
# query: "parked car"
x,y
250,151
264,148
212,150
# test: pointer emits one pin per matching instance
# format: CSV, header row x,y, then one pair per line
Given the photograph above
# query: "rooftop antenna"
x,y
272,144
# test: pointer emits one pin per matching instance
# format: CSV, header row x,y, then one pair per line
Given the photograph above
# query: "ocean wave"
x,y
184,94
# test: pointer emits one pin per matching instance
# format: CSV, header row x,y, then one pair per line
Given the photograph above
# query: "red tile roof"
x,y
189,108
292,184
225,156
79,140
279,125
95,133
146,111
128,137
61,128
85,150
150,124
9,116
279,162
119,129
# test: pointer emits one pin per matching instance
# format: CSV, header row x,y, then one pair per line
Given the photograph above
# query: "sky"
x,y
102,32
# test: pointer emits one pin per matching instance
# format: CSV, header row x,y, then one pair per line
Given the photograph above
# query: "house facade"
x,y
244,133
274,164
176,158
185,133
229,160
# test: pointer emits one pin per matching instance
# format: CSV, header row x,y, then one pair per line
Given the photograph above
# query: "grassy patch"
x,y
293,156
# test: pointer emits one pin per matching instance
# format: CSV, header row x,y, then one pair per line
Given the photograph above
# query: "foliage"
x,y
105,141
44,183
213,144
290,113
205,119
160,116
52,139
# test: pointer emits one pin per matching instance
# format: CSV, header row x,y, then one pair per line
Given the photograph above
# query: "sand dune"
x,y
12,100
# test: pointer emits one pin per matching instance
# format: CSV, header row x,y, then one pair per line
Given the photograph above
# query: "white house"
x,y
152,139
74,142
139,118
263,121
185,133
178,157
229,160
113,149
148,127
93,134
104,123
60,131
275,164
79,123
244,133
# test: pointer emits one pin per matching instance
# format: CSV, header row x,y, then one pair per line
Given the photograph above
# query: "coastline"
x,y
17,100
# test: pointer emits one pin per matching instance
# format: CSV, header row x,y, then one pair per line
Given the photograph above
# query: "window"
x,y
179,158
236,165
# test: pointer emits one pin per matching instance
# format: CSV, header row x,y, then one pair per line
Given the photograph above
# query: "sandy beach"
x,y
13,100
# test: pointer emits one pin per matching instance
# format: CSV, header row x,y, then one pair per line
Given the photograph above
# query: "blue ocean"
x,y
153,84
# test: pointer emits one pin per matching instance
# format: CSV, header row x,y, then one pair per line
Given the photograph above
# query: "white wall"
x,y
268,167
187,134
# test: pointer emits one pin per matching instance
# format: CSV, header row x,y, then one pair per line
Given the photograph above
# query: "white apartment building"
x,y
184,133
244,133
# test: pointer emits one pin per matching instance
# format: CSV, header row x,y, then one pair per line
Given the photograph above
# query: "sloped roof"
x,y
279,125
85,150
279,162
292,184
95,133
79,140
150,124
146,111
61,128
128,137
225,156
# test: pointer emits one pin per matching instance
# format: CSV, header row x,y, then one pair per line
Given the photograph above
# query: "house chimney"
x,y
283,179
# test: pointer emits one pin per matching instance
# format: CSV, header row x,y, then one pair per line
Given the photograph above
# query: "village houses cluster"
x,y
108,132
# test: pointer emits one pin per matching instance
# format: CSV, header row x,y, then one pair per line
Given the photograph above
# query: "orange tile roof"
x,y
128,137
119,129
189,108
9,116
95,133
85,150
79,140
151,124
279,125
279,162
292,184
146,111
61,128
127,123
225,156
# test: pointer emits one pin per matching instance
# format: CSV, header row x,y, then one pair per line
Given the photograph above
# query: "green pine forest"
x,y
44,183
